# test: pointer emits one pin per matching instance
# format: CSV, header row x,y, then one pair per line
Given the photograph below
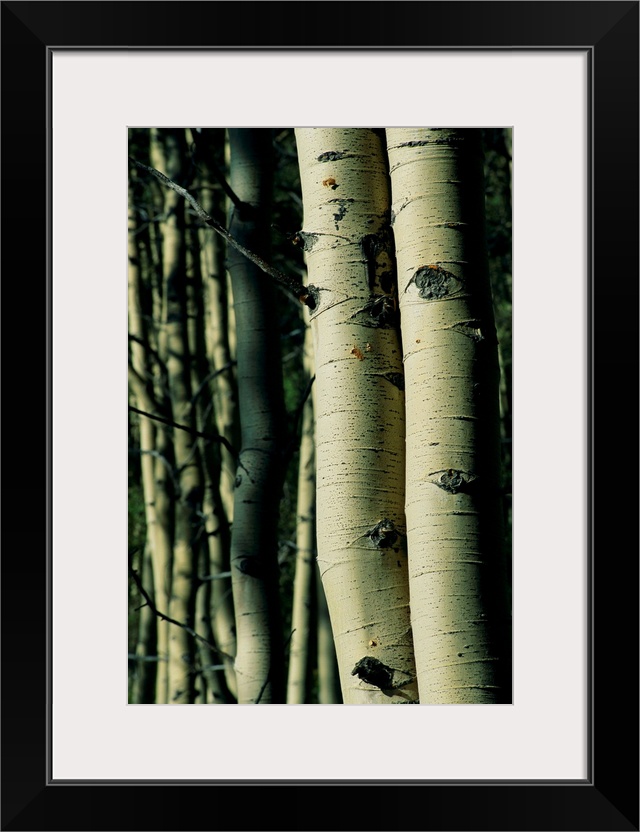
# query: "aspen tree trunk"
x,y
453,456
144,689
220,484
147,631
328,676
217,324
187,459
164,491
215,540
360,411
297,692
259,661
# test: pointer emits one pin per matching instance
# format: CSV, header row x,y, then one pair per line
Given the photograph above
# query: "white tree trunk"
x,y
453,457
360,411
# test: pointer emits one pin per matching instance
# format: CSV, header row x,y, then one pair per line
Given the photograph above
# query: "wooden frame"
x,y
608,800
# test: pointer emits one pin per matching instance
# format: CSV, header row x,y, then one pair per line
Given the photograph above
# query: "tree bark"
x,y
259,661
453,457
297,684
360,411
188,505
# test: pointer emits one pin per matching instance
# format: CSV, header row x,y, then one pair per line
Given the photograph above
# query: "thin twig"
x,y
295,286
213,437
153,353
198,140
213,374
163,617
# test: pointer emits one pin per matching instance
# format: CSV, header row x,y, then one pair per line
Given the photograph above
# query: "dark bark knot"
x,y
397,379
341,210
434,282
453,481
471,329
374,672
251,567
383,311
384,534
305,240
311,298
380,268
334,155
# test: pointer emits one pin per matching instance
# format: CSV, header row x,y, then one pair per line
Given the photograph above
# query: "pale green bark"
x,y
297,692
453,457
328,676
163,456
217,327
146,643
259,660
158,546
215,624
218,498
187,459
360,411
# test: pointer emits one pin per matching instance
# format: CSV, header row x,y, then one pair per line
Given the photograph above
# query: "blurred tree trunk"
x,y
221,392
328,675
259,661
147,631
299,669
218,323
188,505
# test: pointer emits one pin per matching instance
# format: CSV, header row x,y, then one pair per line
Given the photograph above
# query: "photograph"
x,y
319,434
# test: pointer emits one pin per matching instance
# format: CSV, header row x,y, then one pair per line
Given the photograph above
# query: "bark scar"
x,y
376,673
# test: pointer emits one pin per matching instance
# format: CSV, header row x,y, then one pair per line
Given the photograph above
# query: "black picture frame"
x,y
608,799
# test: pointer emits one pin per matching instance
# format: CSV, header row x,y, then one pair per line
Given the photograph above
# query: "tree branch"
x,y
153,353
211,164
295,286
213,374
141,390
163,617
213,437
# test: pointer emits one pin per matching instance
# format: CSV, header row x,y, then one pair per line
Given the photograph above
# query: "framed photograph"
x,y
563,78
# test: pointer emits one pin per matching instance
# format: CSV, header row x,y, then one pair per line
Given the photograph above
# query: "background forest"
x,y
243,254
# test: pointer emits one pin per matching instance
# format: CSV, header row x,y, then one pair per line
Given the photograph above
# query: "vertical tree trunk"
x,y
329,692
217,324
147,631
188,506
360,411
164,490
297,692
218,497
259,661
453,457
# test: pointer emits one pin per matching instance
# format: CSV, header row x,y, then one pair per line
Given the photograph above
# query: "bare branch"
x,y
141,390
213,374
293,284
150,351
213,167
213,437
163,617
